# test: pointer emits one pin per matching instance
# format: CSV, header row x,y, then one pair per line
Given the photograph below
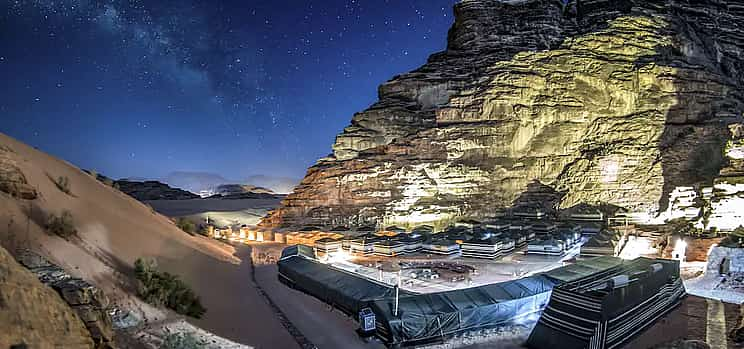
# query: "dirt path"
x,y
715,332
696,318
323,326
235,308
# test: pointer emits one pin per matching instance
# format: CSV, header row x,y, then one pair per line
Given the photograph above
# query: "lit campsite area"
x,y
419,298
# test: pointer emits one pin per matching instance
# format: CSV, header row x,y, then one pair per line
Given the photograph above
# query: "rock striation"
x,y
33,315
86,300
542,104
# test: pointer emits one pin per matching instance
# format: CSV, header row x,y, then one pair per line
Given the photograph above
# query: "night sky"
x,y
142,88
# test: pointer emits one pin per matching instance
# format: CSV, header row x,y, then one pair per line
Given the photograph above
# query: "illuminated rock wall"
x,y
540,103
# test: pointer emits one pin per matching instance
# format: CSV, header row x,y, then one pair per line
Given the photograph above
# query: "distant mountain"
x,y
154,190
146,190
196,182
206,183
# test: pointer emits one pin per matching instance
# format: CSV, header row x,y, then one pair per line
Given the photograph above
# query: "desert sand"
x,y
114,230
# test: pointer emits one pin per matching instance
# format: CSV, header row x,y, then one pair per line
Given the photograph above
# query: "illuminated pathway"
x,y
715,332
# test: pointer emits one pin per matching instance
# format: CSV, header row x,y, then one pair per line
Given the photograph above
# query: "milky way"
x,y
142,88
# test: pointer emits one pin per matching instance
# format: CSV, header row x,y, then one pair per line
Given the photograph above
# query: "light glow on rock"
x,y
610,170
679,251
636,247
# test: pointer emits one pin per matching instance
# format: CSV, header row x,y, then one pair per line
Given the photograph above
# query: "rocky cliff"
x,y
543,104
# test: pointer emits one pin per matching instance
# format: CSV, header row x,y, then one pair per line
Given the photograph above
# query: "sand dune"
x,y
115,229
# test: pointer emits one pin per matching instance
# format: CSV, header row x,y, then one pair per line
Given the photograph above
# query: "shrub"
x,y
63,184
186,225
93,173
165,289
62,225
108,181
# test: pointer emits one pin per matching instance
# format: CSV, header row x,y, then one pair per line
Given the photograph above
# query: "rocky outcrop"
x,y
725,260
541,103
86,300
34,315
153,190
12,180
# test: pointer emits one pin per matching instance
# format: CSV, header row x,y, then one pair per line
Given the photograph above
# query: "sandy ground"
x,y
236,310
696,318
114,230
324,326
321,324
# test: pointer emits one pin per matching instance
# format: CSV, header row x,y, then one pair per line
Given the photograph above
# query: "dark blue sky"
x,y
141,88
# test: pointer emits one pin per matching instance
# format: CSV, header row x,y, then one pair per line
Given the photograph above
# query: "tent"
x,y
606,309
341,289
582,268
427,317
298,250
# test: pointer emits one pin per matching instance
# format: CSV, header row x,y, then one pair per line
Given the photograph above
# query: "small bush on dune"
x,y
165,289
62,225
186,225
63,184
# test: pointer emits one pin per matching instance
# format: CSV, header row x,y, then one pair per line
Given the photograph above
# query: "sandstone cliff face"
x,y
33,314
541,103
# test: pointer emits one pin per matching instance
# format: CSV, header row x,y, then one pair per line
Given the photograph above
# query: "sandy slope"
x,y
115,229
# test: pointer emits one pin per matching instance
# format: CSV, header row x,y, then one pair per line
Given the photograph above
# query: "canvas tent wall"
x,y
345,291
298,250
426,317
606,309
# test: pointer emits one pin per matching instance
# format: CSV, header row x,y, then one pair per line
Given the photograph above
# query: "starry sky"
x,y
137,88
